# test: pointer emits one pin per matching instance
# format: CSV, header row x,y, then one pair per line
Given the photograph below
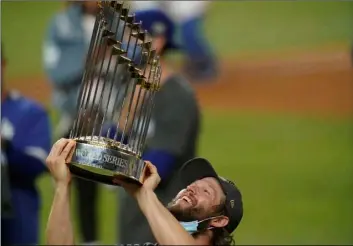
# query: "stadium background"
x,y
278,120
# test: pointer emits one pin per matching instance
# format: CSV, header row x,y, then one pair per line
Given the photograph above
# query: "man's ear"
x,y
221,221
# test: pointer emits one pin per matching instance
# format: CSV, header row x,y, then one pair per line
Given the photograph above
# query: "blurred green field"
x,y
295,174
235,28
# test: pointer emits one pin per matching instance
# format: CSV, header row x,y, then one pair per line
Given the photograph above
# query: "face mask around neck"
x,y
193,226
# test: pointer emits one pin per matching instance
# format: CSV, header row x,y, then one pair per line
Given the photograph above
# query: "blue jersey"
x,y
26,133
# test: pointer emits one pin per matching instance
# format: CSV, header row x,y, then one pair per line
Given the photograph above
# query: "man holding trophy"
x,y
109,136
205,212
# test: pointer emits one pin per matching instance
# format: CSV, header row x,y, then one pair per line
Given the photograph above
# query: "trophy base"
x,y
103,161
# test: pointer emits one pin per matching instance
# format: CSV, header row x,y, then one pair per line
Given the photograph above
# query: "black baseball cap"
x,y
199,168
156,22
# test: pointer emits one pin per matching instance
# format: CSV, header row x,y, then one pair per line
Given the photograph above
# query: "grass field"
x,y
295,171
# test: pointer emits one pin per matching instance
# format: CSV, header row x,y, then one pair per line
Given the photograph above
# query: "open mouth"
x,y
187,197
189,200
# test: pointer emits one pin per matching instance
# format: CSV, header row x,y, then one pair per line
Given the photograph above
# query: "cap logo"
x,y
158,28
232,203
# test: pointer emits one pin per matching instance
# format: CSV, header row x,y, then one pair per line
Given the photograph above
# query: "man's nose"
x,y
191,188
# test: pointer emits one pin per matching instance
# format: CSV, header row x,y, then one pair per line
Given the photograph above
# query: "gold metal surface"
x,y
106,143
98,157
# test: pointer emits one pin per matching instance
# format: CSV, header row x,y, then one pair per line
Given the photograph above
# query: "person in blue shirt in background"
x,y
173,130
25,144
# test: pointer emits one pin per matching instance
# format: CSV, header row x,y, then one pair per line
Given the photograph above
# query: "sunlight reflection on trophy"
x,y
116,99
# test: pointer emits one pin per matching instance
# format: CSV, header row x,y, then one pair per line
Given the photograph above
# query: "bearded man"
x,y
205,212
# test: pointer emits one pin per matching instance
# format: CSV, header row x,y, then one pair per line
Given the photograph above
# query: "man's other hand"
x,y
151,177
150,181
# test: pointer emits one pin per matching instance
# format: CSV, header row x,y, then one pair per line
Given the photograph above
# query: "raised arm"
x,y
165,228
59,228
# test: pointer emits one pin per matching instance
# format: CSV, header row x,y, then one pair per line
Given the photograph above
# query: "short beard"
x,y
185,215
191,214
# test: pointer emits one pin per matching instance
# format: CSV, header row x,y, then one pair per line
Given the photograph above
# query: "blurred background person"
x,y
173,131
64,55
25,144
200,63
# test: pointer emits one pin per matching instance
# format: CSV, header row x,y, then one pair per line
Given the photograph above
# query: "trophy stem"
x,y
94,108
132,95
120,112
89,83
148,114
108,101
126,127
101,98
111,81
142,109
83,89
117,6
123,107
135,138
115,104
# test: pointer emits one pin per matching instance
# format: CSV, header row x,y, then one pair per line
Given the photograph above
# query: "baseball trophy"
x,y
116,98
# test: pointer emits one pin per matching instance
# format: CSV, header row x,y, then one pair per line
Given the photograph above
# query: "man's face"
x,y
200,200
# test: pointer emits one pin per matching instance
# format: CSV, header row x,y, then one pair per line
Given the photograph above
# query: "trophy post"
x,y
116,98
